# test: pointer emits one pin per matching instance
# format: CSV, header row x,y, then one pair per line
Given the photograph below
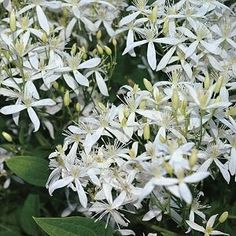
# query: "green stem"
x,y
160,229
155,227
200,139
231,217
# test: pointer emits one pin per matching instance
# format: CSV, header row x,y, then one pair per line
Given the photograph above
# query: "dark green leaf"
x,y
73,226
33,170
31,208
9,233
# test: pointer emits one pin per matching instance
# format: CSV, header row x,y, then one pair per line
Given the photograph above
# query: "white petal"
x,y
232,161
60,184
191,49
165,59
224,171
70,81
151,214
196,177
50,128
211,221
134,45
119,200
217,232
34,118
129,18
81,79
170,41
82,195
174,190
162,181
12,109
44,102
43,22
101,84
195,226
151,55
107,191
91,63
185,193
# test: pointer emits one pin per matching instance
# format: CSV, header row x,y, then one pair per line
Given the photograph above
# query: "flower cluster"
x,y
194,35
35,56
149,153
157,145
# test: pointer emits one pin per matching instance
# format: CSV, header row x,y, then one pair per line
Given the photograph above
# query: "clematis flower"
x,y
209,230
28,103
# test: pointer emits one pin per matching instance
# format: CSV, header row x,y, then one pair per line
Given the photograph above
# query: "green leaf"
x,y
32,169
31,208
73,226
9,233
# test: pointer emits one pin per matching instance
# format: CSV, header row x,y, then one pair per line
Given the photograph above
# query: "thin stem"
x,y
158,228
231,217
201,130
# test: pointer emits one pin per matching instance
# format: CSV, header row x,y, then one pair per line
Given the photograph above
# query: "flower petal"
x,y
43,22
34,118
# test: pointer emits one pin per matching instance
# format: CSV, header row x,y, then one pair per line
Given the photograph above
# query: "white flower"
x,y
74,64
28,102
111,208
209,230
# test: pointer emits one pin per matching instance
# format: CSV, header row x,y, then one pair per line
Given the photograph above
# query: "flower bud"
x,y
183,106
126,112
148,85
108,50
168,168
207,82
223,217
7,136
123,122
100,49
13,21
166,26
73,49
193,158
55,85
77,107
146,132
135,88
102,107
142,105
114,42
232,111
44,38
218,84
175,99
66,98
94,52
153,15
99,35
162,139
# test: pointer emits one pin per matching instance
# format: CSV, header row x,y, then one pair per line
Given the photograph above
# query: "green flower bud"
x,y
7,136
218,84
175,99
13,21
108,50
66,98
114,42
153,15
99,35
100,49
148,85
77,107
224,217
146,131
